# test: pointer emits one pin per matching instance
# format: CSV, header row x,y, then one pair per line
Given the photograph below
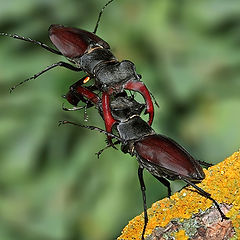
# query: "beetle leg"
x,y
62,122
141,88
143,189
205,164
27,39
206,195
107,146
58,64
166,183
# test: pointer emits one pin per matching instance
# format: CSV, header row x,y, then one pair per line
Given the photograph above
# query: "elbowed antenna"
x,y
100,14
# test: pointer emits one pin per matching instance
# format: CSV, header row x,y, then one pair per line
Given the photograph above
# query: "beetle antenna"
x,y
31,41
91,128
100,14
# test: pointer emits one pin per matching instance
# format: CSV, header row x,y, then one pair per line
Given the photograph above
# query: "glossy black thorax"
x,y
108,72
134,129
91,60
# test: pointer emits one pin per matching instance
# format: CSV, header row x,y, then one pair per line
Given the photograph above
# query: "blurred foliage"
x,y
52,186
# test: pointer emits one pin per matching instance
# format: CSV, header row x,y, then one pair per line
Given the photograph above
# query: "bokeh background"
x,y
52,186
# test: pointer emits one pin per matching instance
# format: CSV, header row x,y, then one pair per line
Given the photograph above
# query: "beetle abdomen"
x,y
73,42
169,157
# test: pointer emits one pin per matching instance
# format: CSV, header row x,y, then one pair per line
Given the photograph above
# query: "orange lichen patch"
x,y
181,235
222,182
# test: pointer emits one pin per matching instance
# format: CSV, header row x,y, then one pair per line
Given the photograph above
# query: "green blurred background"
x,y
52,186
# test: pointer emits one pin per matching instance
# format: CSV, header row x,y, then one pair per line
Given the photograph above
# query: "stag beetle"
x,y
160,155
92,55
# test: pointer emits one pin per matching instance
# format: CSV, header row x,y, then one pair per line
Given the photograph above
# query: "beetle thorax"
x,y
112,76
109,73
91,60
134,128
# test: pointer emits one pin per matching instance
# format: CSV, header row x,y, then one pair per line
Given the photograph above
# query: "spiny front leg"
x,y
27,39
58,64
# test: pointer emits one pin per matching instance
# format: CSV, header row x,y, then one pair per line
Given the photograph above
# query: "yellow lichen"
x,y
181,235
222,181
